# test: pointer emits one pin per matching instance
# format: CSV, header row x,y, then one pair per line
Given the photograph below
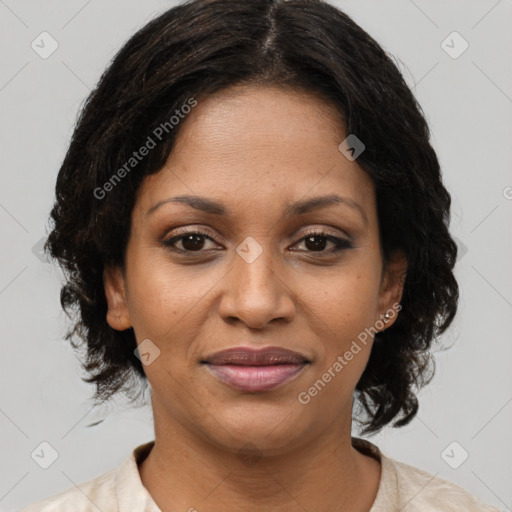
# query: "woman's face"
x,y
257,279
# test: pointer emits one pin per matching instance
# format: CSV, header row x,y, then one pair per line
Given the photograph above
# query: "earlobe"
x,y
115,292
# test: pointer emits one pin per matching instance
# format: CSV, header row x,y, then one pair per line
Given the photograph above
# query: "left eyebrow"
x,y
297,208
315,203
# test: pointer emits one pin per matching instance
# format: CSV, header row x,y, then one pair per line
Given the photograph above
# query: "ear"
x,y
115,292
392,287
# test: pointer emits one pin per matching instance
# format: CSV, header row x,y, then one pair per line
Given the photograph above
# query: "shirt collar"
x,y
131,493
387,494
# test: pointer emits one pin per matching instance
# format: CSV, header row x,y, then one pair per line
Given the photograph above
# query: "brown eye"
x,y
316,242
191,242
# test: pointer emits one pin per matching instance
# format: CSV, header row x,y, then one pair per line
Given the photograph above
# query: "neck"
x,y
185,472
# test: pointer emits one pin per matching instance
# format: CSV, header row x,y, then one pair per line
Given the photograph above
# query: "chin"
x,y
269,427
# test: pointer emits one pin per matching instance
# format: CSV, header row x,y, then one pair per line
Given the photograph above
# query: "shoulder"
x,y
117,490
419,490
89,496
410,489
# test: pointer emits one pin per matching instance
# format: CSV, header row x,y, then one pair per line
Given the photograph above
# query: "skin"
x,y
255,149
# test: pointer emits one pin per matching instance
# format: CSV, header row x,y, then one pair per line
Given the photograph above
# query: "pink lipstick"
x,y
255,370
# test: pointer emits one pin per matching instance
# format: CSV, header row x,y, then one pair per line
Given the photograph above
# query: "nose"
x,y
256,291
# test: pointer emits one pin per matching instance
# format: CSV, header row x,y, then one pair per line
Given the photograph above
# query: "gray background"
x,y
468,103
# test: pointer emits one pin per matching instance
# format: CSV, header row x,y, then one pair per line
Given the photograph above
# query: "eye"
x,y
316,240
192,241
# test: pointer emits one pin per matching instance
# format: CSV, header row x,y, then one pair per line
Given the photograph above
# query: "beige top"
x,y
402,488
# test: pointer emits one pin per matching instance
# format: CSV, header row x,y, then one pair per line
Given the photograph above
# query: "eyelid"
x,y
195,228
324,231
192,229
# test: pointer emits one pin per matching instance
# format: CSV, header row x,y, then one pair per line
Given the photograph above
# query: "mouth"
x,y
250,370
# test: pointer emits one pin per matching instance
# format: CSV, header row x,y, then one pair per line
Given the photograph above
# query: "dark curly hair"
x,y
204,46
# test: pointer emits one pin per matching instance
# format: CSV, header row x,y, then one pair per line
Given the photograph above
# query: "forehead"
x,y
252,118
259,144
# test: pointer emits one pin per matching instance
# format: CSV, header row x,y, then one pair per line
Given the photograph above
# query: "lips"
x,y
255,370
256,357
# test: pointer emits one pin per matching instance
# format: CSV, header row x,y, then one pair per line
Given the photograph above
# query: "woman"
x,y
253,224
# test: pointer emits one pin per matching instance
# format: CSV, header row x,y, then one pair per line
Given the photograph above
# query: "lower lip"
x,y
255,378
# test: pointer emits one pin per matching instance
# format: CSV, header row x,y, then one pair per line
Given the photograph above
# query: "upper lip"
x,y
256,357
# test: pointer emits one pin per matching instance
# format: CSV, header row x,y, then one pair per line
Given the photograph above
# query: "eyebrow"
x,y
301,207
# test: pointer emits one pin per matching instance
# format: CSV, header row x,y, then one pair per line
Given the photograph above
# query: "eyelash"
x,y
339,243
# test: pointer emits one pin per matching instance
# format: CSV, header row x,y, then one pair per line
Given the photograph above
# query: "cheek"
x,y
346,345
343,313
331,386
163,308
166,301
345,300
